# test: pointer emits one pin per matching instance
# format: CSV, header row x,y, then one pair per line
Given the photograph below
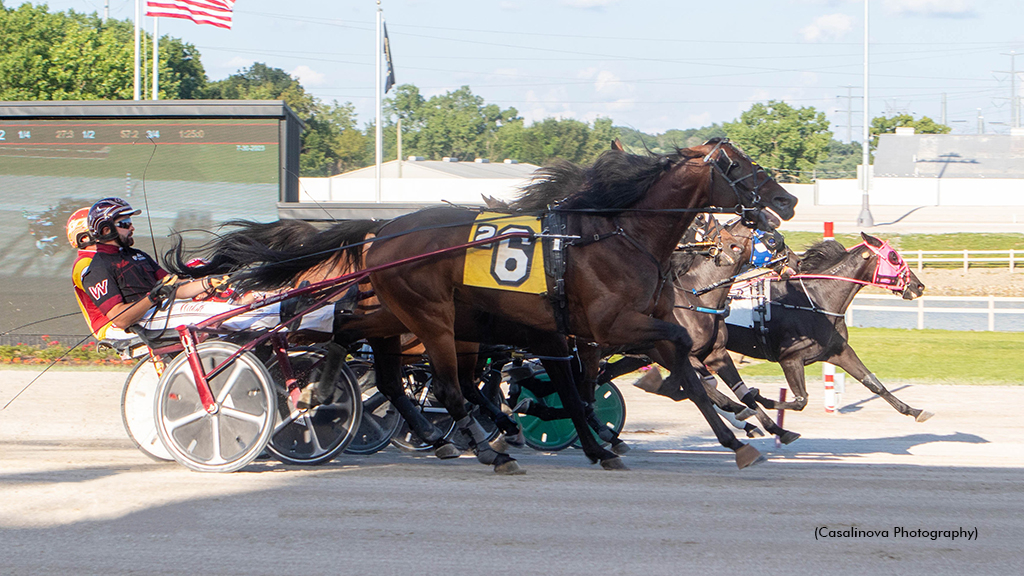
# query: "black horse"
x,y
807,321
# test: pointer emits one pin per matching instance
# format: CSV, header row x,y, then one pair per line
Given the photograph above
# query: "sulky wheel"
x,y
416,379
137,399
610,409
380,419
316,435
239,427
546,435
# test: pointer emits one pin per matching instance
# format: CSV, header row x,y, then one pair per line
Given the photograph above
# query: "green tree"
x,y
841,161
888,125
457,123
72,56
785,140
639,142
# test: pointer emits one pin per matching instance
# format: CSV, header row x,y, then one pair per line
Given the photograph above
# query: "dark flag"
x,y
390,81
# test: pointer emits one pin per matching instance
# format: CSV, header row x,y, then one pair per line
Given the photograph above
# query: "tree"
x,y
785,140
888,125
457,123
330,143
639,142
72,56
841,161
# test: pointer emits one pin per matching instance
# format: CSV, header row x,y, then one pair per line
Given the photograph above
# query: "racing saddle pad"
x,y
515,264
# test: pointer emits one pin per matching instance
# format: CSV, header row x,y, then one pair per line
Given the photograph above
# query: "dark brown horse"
x,y
620,230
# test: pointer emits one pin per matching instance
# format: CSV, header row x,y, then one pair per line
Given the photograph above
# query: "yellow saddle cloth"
x,y
515,264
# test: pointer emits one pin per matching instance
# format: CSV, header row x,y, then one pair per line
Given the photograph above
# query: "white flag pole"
x,y
138,11
378,49
156,58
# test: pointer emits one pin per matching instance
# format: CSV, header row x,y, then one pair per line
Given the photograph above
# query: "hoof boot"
x,y
447,450
510,468
620,448
613,464
789,437
754,432
924,415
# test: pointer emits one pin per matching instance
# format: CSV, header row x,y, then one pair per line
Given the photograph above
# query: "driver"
x,y
130,288
78,236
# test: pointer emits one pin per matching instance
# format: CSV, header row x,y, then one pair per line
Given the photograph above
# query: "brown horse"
x,y
620,230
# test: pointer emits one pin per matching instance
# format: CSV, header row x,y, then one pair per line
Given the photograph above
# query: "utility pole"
x,y
865,218
943,115
106,11
981,122
1014,98
849,113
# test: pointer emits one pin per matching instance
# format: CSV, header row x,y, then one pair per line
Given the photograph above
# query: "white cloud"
x,y
239,63
934,8
308,77
511,6
588,4
827,28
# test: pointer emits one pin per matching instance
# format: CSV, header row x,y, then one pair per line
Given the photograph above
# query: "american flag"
x,y
213,12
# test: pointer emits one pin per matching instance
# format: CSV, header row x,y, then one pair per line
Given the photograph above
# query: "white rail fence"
x,y
969,307
1011,259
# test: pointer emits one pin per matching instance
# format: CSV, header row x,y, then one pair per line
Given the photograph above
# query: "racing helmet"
x,y
102,216
78,228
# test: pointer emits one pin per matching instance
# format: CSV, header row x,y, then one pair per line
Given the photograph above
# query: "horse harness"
x,y
555,239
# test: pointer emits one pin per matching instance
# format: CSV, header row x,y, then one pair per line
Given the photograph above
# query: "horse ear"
x,y
617,145
871,240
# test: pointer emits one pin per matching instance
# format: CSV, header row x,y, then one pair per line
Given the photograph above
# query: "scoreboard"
x,y
189,165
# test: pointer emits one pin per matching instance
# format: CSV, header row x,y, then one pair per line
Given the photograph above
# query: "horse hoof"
x,y
510,468
755,432
446,451
499,445
650,382
924,415
747,455
615,463
744,414
789,437
621,448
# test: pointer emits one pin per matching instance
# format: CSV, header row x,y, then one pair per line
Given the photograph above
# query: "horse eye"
x,y
894,258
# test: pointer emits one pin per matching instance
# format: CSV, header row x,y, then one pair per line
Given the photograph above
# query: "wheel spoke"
x,y
237,369
244,416
173,425
317,448
215,440
291,418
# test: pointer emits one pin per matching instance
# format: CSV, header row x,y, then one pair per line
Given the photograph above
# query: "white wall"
x,y
422,190
924,192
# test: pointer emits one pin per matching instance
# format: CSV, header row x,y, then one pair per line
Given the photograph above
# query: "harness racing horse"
x,y
619,232
807,321
701,281
230,251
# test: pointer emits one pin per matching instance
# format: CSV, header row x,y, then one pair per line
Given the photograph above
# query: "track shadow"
x,y
65,476
826,448
856,406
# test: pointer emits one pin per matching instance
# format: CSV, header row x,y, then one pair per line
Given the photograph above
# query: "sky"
x,y
653,65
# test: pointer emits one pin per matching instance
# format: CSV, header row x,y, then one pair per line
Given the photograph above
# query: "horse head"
x,y
891,271
735,177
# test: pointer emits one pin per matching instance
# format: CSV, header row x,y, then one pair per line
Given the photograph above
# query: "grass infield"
x,y
929,357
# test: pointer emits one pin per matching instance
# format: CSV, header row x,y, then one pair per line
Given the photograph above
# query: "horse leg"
x,y
793,368
467,380
848,360
739,411
590,363
726,370
719,362
387,364
553,347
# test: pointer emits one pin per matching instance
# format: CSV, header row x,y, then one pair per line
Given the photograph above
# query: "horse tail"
x,y
340,245
221,255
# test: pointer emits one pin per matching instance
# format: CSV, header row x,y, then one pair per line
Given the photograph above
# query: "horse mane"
x,y
822,256
614,182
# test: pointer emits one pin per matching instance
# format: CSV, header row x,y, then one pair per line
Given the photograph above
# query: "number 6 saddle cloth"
x,y
515,264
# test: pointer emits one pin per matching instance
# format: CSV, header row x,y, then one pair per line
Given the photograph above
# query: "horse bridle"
x,y
722,163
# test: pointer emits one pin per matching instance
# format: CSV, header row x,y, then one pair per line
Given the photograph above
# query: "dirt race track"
x,y
77,498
